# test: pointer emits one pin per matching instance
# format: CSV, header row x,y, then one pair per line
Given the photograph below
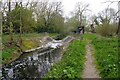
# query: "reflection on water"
x,y
31,65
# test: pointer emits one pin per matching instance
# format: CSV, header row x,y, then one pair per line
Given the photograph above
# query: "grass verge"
x,y
106,54
29,41
72,63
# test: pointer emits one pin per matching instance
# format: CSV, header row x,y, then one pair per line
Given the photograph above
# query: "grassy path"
x,y
105,52
90,68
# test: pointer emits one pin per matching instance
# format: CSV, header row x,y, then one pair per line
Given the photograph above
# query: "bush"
x,y
106,29
60,36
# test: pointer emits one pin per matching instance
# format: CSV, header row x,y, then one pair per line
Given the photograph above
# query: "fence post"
x,y
118,31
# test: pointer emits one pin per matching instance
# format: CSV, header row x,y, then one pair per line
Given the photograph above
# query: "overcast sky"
x,y
94,5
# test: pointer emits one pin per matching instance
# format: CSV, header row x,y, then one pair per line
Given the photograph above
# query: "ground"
x,y
100,54
90,70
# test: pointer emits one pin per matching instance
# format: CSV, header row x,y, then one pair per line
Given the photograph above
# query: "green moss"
x,y
29,44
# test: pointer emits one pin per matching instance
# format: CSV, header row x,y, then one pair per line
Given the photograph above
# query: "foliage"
x,y
49,17
71,65
107,29
55,24
26,22
19,17
71,24
106,53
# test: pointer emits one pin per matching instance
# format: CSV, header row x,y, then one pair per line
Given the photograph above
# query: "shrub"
x,y
106,29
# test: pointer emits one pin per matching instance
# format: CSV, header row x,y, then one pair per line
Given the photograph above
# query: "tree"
x,y
71,24
22,19
9,23
107,16
78,17
106,22
80,12
4,11
57,23
46,14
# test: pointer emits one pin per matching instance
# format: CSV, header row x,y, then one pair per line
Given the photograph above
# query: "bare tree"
x,y
80,11
117,14
107,16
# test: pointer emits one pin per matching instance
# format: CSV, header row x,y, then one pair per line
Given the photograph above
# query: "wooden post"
x,y
118,31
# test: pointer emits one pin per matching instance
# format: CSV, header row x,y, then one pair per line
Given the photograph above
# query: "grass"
x,y
72,63
106,54
105,51
6,38
9,54
89,36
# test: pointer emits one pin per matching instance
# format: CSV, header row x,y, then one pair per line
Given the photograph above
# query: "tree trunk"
x,y
118,30
9,21
20,39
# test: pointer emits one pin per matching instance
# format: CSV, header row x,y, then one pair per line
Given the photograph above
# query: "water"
x,y
32,65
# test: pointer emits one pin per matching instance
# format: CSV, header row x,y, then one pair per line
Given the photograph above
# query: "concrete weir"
x,y
35,63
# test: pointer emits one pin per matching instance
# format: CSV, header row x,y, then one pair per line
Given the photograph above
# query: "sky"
x,y
94,5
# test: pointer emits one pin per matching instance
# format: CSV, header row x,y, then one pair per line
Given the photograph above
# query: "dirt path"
x,y
89,70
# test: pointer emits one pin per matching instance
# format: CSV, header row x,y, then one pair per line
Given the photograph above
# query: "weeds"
x,y
71,65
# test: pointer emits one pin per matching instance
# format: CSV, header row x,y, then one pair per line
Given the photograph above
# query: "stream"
x,y
36,63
